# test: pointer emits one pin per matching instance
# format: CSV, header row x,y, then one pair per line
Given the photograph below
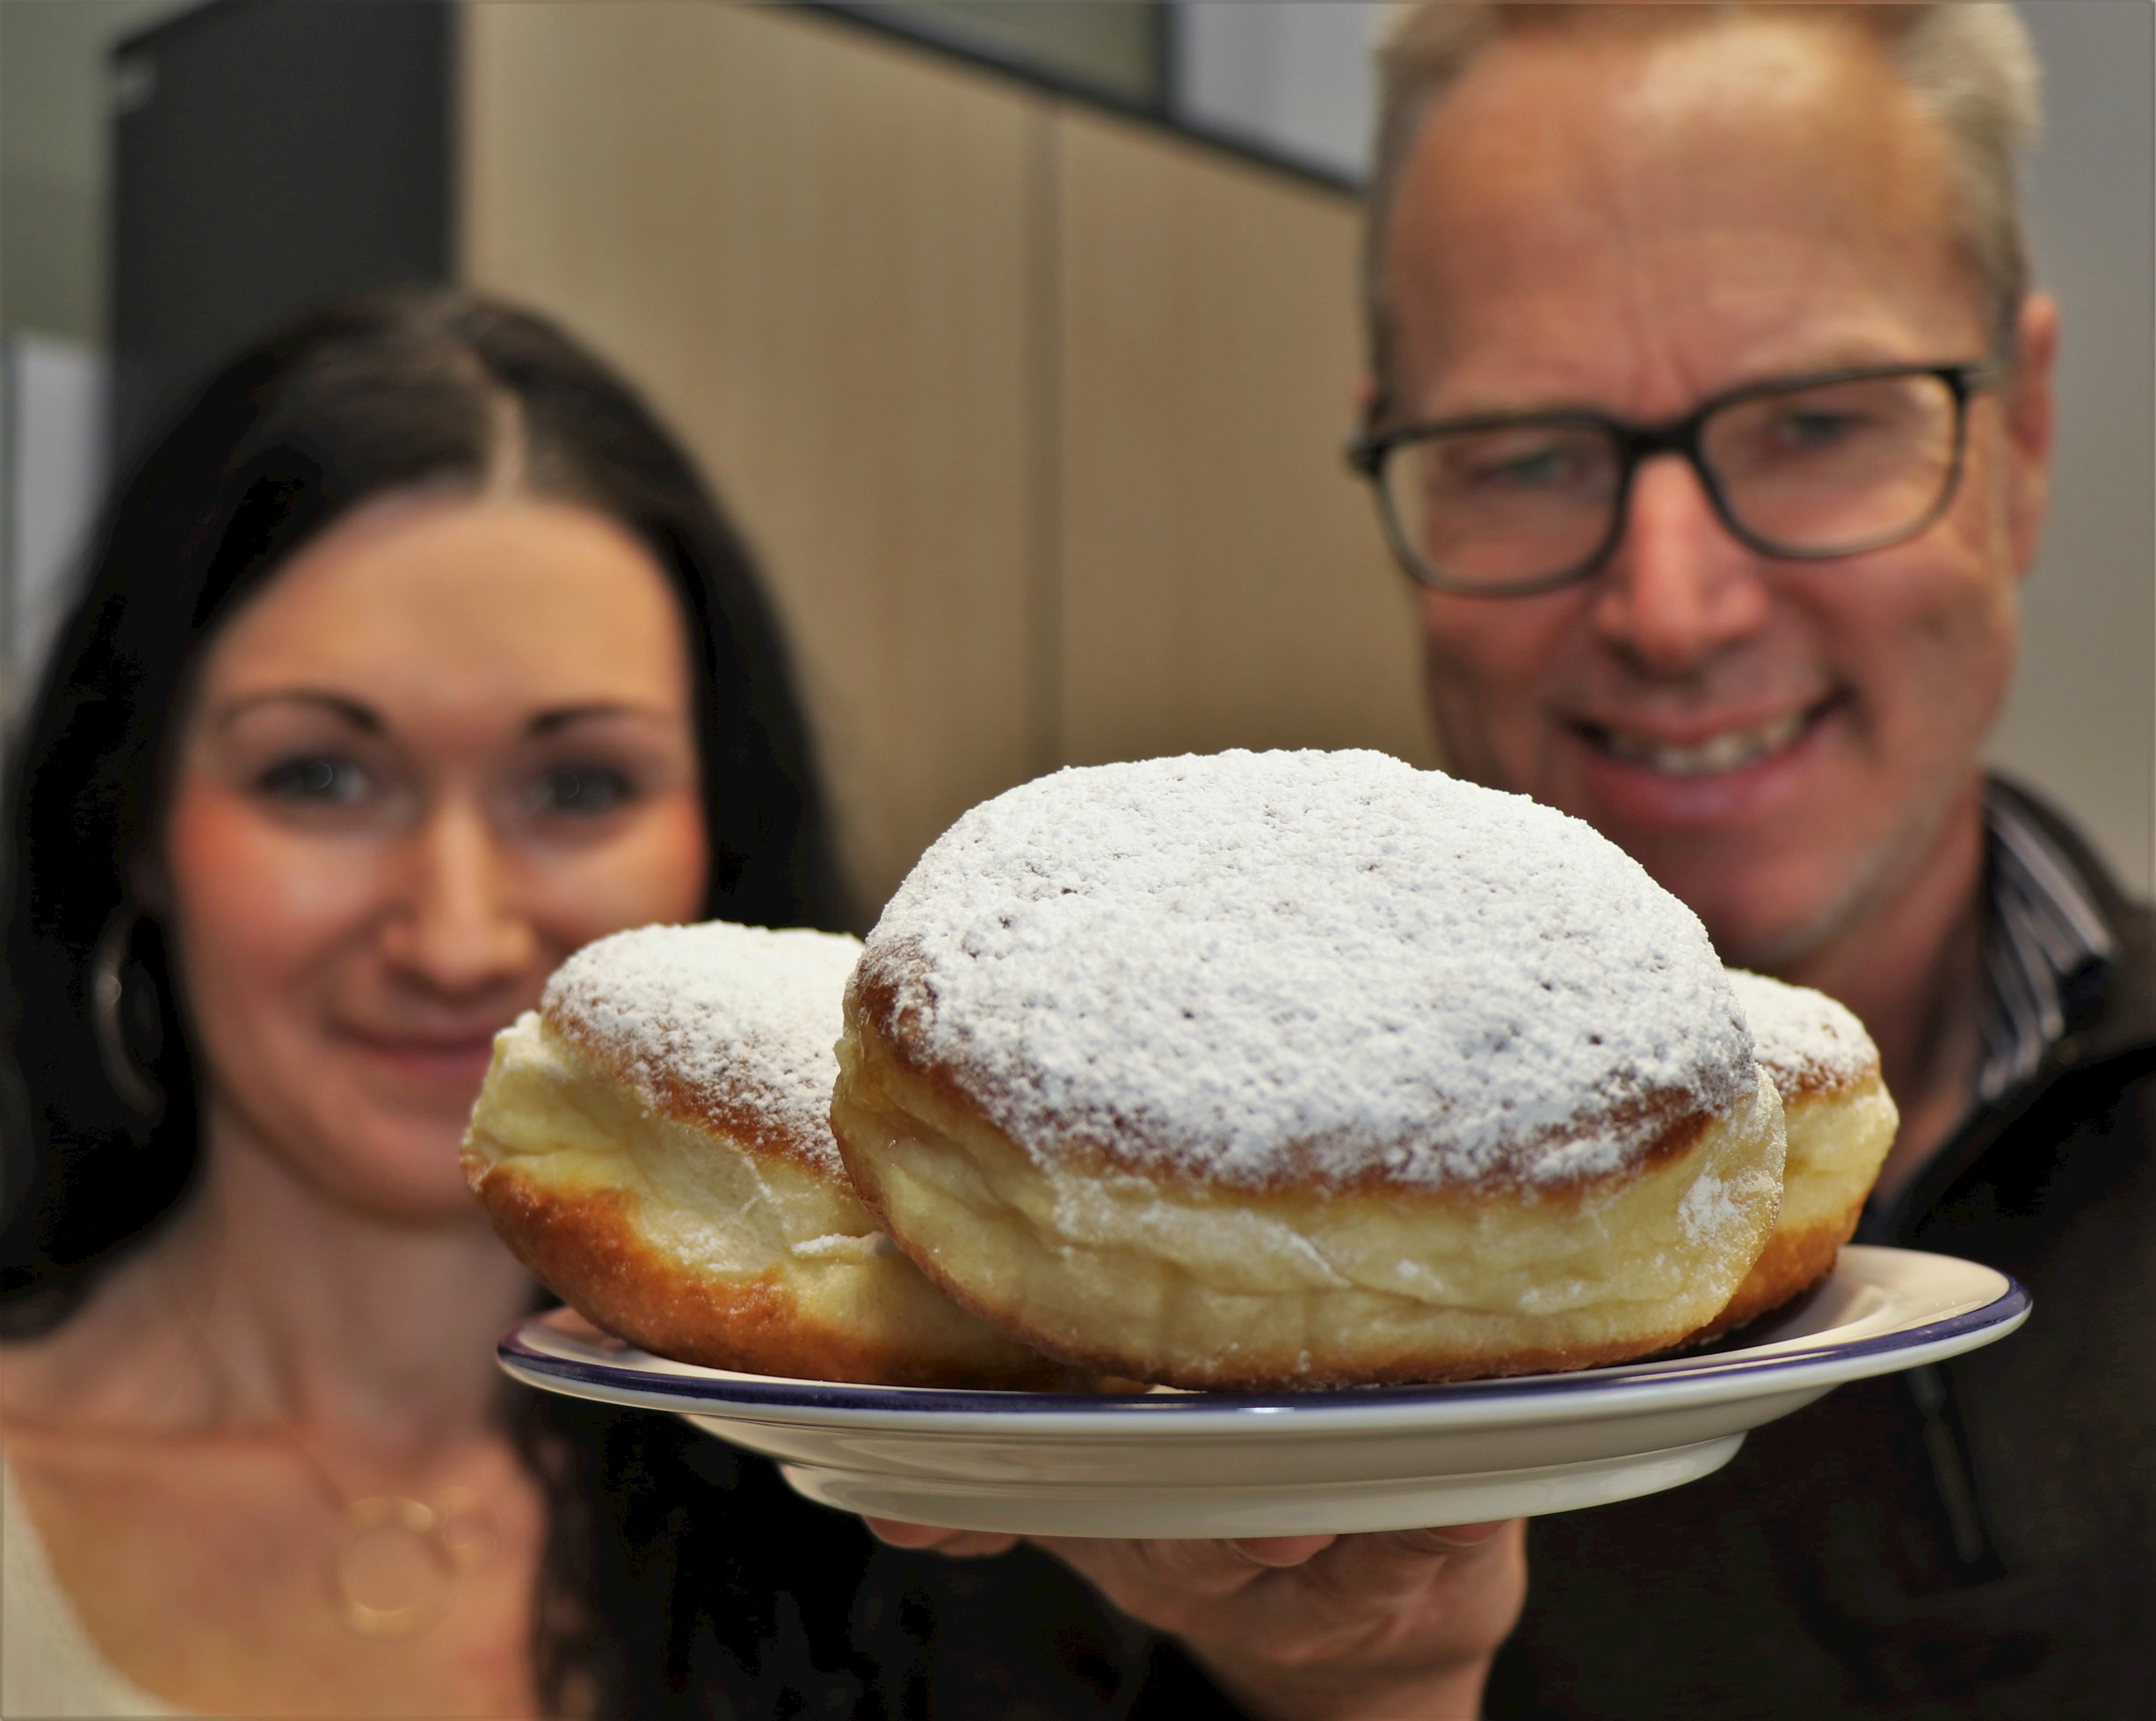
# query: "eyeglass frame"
x,y
1636,444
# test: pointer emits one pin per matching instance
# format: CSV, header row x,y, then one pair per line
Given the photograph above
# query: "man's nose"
x,y
460,927
1678,589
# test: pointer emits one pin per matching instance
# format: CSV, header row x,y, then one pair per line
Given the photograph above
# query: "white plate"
x,y
1244,1464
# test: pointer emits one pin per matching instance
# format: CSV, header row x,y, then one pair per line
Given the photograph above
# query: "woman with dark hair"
x,y
363,400
412,658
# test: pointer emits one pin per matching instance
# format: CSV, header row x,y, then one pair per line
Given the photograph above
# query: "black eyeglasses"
x,y
1810,468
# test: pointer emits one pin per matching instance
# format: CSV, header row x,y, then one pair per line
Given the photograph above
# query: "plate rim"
x,y
1624,1389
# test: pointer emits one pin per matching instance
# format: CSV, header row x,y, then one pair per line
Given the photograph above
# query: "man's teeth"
x,y
1733,750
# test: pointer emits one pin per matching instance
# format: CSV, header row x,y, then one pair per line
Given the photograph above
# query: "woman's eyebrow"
x,y
361,717
561,716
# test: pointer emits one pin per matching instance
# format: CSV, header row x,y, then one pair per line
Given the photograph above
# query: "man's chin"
x,y
1768,940
1768,893
1773,899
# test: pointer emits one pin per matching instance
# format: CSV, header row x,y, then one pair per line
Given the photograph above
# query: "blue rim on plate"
x,y
686,1389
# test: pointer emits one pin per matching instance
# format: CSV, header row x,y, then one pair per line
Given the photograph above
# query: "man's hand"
x,y
1399,1627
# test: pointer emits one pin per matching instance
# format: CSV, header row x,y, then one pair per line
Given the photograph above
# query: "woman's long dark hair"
x,y
361,399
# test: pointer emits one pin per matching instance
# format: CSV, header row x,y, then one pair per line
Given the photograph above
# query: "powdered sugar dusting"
x,y
1712,1209
1249,966
741,1015
1803,1038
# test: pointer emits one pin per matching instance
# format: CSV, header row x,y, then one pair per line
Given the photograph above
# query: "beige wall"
x,y
2081,725
1033,415
1222,579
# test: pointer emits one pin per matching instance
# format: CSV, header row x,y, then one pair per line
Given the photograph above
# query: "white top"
x,y
1258,968
48,1667
717,1016
1803,1039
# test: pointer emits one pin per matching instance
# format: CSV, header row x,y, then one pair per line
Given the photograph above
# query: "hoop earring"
x,y
108,984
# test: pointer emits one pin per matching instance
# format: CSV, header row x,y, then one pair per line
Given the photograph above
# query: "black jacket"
x,y
1972,1541
705,1589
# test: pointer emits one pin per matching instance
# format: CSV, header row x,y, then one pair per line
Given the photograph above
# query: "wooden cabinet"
x,y
1221,581
1032,413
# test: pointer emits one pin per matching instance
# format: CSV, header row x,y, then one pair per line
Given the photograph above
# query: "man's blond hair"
x,y
1969,62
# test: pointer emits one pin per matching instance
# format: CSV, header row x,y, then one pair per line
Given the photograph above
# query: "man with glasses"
x,y
1711,411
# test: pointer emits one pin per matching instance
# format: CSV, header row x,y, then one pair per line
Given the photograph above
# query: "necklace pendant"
x,y
392,1575
398,1560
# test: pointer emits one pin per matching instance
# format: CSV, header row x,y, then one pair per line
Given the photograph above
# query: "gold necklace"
x,y
393,1571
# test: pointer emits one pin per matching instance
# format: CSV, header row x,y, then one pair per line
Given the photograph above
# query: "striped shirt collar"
x,y
2047,951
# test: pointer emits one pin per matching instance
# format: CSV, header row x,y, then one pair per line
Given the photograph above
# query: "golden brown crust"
x,y
697,1247
1811,1081
1838,1132
1792,1263
587,1249
1233,1374
1105,1271
737,1115
1664,1126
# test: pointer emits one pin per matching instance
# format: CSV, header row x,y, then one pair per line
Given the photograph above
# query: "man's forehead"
x,y
1666,326
1680,208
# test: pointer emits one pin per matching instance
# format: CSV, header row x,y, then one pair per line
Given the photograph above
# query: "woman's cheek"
x,y
653,872
259,907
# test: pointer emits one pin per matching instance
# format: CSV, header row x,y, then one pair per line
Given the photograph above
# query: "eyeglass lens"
x,y
1819,468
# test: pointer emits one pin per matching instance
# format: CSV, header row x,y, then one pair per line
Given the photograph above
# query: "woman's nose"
x,y
460,927
1678,589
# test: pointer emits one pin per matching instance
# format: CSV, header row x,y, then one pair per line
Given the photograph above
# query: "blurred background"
x,y
1021,338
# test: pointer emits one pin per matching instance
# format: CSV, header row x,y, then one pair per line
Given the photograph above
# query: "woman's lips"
x,y
461,1057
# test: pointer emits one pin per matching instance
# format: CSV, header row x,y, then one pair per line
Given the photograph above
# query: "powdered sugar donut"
x,y
655,1142
1303,1069
1840,1122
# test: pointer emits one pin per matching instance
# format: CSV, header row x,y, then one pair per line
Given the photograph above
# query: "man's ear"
x,y
2031,424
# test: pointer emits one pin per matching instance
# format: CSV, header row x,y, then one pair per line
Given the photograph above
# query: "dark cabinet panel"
x,y
269,154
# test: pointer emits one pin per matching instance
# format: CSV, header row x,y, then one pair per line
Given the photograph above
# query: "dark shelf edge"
x,y
925,36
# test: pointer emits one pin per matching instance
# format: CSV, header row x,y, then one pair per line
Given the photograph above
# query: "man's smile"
x,y
1714,753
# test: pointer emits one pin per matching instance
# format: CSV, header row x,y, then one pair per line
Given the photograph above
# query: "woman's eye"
x,y
585,790
316,780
